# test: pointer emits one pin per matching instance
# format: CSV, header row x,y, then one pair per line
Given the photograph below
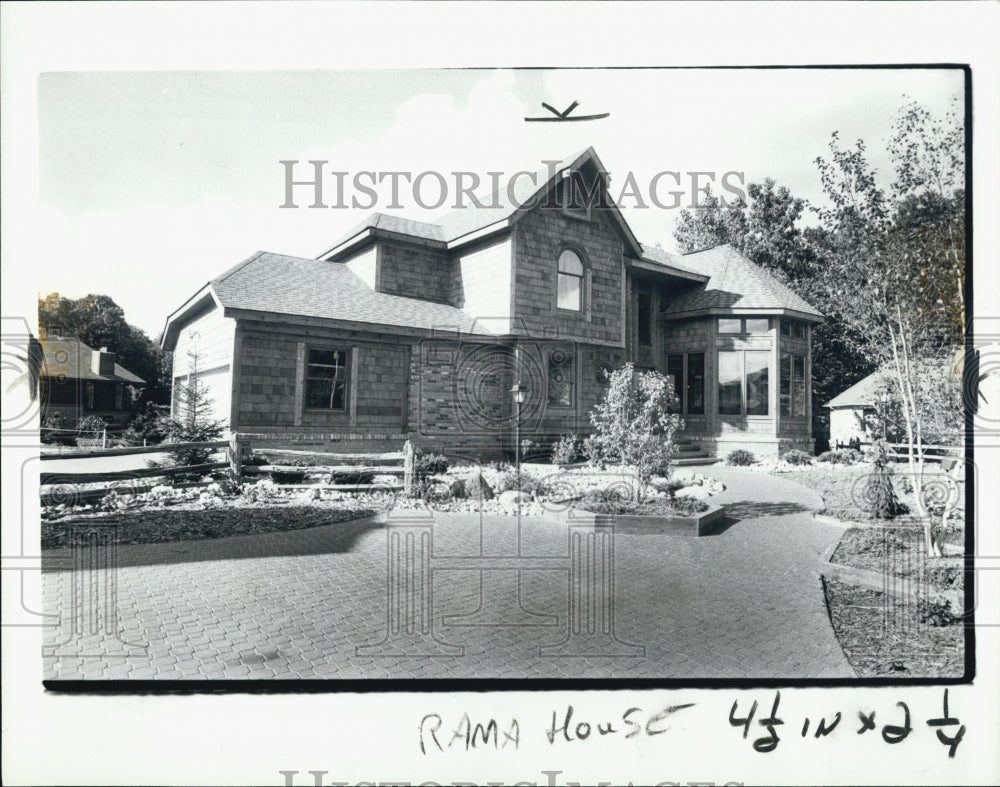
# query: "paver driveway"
x,y
745,602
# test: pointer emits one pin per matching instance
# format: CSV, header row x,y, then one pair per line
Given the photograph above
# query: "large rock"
x,y
476,487
684,475
513,497
697,492
457,490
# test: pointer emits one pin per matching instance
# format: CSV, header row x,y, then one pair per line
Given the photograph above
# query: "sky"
x,y
152,183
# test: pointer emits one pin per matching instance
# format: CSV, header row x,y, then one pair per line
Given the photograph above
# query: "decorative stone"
x,y
476,487
683,474
697,492
513,497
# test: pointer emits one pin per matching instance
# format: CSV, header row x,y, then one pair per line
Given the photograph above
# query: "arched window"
x,y
570,281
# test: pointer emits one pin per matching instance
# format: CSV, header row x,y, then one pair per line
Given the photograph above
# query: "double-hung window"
x,y
569,281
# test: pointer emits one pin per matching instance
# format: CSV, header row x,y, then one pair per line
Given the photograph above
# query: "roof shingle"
x,y
314,288
735,283
69,357
862,393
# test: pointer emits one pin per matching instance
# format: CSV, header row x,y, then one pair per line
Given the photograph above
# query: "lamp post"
x,y
885,412
519,393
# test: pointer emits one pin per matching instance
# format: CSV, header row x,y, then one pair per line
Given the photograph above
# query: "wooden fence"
x,y
238,451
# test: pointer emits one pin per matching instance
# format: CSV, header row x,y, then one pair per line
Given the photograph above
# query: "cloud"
x,y
151,257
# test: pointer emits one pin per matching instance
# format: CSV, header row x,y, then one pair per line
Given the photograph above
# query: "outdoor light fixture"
x,y
519,393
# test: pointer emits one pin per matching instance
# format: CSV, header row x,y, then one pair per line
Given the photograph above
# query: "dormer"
x,y
397,256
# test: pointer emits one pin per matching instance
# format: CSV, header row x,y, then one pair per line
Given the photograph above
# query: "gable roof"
x,y
735,285
499,209
862,393
281,284
70,358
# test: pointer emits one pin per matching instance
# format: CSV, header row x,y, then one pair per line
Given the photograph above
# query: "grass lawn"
x,y
155,526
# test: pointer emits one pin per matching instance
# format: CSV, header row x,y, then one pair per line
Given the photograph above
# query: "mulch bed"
x,y
884,636
899,551
154,526
905,648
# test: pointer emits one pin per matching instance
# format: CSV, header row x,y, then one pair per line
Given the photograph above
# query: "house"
x,y
77,381
852,411
406,329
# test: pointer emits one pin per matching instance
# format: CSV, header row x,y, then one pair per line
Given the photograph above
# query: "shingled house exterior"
x,y
77,381
413,330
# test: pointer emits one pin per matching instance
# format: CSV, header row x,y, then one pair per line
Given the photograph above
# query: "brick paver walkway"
x,y
745,602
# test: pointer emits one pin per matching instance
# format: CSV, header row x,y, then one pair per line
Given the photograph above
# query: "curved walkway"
x,y
745,602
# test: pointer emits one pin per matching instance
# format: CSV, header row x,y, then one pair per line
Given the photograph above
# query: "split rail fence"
x,y
238,463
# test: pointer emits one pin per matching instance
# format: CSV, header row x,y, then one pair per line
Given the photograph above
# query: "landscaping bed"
x,y
177,524
920,650
916,630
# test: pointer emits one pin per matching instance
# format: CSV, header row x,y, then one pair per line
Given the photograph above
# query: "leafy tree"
x,y
710,224
98,321
634,425
896,265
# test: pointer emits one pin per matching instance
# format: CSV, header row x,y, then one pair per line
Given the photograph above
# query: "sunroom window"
x,y
744,382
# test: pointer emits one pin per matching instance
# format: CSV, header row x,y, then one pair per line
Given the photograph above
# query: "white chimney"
x,y
102,362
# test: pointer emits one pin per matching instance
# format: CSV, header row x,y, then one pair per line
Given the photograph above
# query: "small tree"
x,y
880,496
193,421
634,425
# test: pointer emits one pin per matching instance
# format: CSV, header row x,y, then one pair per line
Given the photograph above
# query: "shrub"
x,y
54,431
352,476
880,497
843,456
592,452
150,426
612,501
92,425
288,476
634,423
566,450
797,457
430,464
936,612
740,458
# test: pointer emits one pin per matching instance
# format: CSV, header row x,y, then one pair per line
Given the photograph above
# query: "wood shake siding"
x,y
413,271
271,383
539,238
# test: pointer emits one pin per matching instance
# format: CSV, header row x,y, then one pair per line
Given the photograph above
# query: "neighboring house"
x,y
405,329
851,412
77,381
